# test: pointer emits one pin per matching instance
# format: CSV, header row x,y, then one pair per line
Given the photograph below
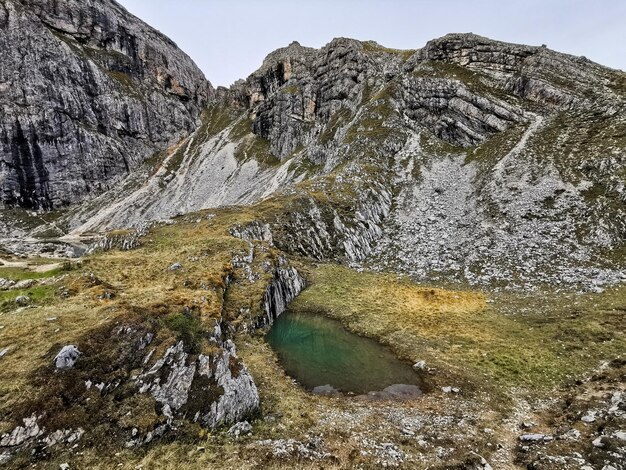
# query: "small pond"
x,y
326,358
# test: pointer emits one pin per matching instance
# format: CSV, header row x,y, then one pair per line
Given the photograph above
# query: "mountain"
x,y
469,159
460,208
87,93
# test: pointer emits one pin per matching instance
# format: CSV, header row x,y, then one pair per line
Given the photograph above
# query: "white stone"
x,y
590,417
67,357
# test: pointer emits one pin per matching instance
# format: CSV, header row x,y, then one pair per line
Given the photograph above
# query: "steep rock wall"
x,y
87,93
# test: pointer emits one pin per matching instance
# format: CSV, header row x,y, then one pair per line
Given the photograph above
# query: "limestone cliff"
x,y
87,93
469,158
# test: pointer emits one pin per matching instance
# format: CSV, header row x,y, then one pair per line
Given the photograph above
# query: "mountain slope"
x,y
87,93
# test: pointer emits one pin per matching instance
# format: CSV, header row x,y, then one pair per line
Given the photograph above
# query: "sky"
x,y
229,39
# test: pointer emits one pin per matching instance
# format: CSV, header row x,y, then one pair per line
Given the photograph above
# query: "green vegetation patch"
x,y
38,295
371,123
291,90
241,129
188,327
215,119
20,274
257,148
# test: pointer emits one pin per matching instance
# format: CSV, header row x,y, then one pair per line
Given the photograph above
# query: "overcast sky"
x,y
228,39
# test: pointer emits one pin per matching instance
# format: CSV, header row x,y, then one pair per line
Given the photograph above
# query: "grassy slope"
x,y
499,346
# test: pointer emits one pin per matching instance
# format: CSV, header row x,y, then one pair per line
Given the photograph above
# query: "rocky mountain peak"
x,y
293,52
535,73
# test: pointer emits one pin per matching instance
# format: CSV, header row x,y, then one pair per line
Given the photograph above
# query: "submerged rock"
x,y
327,390
403,391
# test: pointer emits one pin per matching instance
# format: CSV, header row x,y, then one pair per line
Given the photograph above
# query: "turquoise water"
x,y
324,357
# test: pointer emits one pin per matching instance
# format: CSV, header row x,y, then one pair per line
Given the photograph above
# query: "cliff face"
x,y
464,88
87,93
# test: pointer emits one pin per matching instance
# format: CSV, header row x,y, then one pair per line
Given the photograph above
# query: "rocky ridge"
x,y
174,371
469,159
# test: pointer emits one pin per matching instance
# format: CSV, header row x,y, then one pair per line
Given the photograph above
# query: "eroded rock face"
x,y
213,390
450,86
87,92
529,72
298,90
286,284
513,198
470,159
454,113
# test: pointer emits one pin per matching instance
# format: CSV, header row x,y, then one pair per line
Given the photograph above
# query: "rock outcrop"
x,y
124,367
87,93
285,285
537,74
190,384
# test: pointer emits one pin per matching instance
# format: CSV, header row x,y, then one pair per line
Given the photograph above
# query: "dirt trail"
x,y
26,264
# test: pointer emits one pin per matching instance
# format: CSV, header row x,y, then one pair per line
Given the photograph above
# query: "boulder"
x,y
24,284
67,357
22,300
240,429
